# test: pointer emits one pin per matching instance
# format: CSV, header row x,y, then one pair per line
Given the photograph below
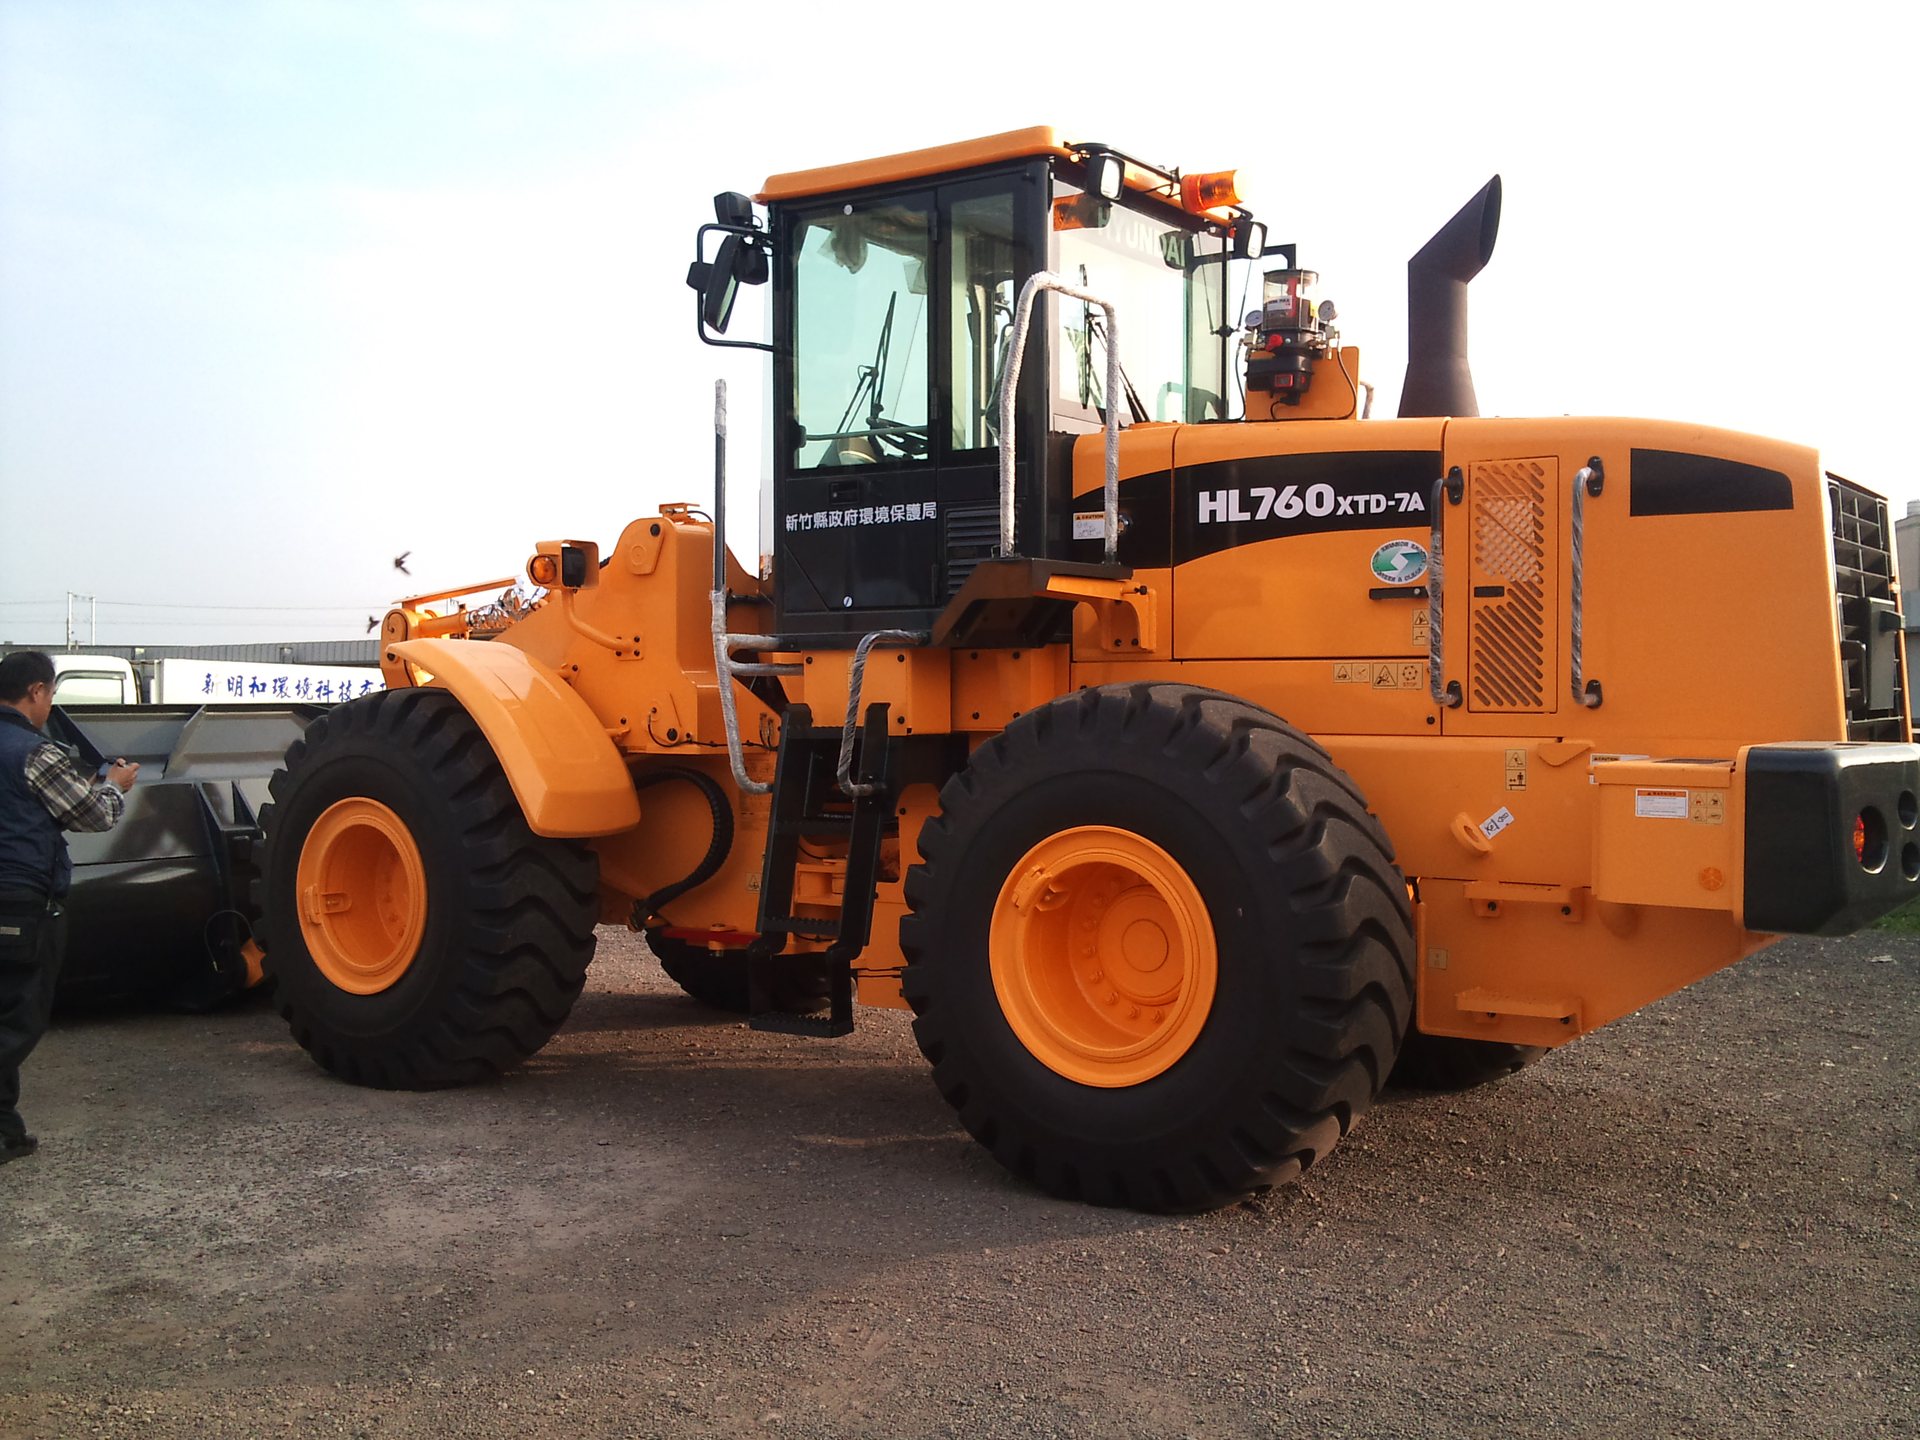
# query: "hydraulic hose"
x,y
717,849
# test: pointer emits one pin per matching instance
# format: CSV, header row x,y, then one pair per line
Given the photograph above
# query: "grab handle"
x,y
1009,382
1446,694
1589,480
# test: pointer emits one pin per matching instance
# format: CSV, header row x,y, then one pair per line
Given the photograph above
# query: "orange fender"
x,y
565,771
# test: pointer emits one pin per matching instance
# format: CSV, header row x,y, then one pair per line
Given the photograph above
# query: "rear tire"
x,y
719,978
489,956
1449,1063
1300,947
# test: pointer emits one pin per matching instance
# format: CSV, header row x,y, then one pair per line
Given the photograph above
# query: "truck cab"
x,y
81,679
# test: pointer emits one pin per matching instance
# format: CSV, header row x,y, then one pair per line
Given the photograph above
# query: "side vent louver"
x,y
1869,615
972,532
1512,506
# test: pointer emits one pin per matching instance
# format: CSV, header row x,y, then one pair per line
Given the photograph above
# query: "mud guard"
x,y
564,769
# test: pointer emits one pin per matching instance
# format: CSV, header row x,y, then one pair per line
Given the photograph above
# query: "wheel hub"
x,y
1103,956
362,895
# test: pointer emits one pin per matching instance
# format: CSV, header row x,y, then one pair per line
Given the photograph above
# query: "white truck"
x,y
94,680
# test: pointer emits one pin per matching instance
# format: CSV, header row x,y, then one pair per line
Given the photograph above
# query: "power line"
x,y
230,626
169,605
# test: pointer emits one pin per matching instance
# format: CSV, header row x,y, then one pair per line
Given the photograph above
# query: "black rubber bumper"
x,y
1833,835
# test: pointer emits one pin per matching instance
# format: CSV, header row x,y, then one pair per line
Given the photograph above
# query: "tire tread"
x,y
530,903
1331,857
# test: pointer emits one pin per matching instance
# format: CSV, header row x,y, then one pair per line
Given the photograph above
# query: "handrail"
x,y
564,597
1588,481
856,682
1009,382
1444,695
726,669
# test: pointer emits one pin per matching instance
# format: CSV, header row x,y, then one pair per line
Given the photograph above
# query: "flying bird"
x,y
400,562
372,624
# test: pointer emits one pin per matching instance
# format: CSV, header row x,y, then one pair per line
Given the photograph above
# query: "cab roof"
x,y
913,164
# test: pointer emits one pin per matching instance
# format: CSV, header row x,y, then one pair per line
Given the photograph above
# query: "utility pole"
x,y
93,624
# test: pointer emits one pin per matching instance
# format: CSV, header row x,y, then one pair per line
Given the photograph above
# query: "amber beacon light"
x,y
1213,190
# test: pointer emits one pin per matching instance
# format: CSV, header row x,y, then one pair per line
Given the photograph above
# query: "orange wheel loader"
x,y
1186,748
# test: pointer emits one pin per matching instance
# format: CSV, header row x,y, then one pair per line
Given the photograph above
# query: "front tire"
x,y
419,935
1159,952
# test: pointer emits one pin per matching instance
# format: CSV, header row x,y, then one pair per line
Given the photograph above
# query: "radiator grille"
x,y
972,533
1511,503
1863,574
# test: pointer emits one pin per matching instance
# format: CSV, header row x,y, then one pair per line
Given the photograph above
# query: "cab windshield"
x,y
903,310
1168,285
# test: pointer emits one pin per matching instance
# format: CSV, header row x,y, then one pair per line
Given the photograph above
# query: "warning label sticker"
x,y
1517,769
1708,807
1660,804
1381,674
1090,526
1496,822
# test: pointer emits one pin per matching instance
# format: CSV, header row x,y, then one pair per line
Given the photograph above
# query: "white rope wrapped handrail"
x,y
1009,383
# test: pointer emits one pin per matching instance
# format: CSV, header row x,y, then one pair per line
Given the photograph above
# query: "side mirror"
x,y
742,260
755,263
1249,239
722,285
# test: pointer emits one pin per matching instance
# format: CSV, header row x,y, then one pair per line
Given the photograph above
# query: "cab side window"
x,y
862,287
987,263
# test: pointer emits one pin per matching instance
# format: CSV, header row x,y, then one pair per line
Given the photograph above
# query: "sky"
x,y
288,289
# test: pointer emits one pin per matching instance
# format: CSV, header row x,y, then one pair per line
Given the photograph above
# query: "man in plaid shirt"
x,y
43,793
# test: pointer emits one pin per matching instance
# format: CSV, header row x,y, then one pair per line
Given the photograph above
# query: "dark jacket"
x,y
33,849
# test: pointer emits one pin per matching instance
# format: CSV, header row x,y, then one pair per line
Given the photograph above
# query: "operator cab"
x,y
895,283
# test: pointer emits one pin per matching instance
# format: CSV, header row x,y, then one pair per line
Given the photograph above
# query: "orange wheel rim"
x,y
1103,956
362,896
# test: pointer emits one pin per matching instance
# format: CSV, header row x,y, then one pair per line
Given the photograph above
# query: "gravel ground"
x,y
1697,1222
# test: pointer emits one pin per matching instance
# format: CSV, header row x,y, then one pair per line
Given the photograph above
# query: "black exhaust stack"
x,y
1438,380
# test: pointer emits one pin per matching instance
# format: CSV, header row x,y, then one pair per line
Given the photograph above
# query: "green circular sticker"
x,y
1400,562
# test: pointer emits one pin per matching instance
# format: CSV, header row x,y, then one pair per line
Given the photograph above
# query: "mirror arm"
x,y
699,317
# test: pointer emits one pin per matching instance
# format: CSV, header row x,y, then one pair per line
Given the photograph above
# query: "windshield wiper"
x,y
873,378
1097,328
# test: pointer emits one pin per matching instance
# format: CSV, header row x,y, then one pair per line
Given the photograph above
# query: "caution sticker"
x,y
1090,526
1660,804
1517,769
1381,674
1708,807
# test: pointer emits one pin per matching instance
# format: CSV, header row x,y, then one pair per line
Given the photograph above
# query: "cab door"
x,y
891,337
856,508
